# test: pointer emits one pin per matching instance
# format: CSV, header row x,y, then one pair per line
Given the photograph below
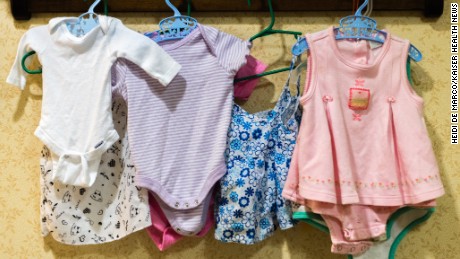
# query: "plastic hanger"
x,y
269,30
355,5
370,7
174,27
265,32
85,25
85,22
357,26
189,7
23,63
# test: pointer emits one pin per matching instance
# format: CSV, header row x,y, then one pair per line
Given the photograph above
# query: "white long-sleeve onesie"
x,y
76,120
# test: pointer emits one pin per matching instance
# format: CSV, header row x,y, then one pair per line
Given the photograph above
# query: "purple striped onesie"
x,y
178,133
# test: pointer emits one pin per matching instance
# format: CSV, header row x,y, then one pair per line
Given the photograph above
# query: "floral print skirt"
x,y
259,149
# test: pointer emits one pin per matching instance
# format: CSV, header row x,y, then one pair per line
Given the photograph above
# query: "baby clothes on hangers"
x,y
112,208
363,139
76,122
259,148
353,118
397,227
178,134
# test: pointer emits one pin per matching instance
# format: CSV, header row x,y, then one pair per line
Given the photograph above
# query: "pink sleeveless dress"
x,y
362,139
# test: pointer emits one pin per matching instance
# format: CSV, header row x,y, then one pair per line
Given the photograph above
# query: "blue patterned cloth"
x,y
259,149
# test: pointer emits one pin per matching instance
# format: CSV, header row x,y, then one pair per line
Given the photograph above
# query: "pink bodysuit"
x,y
363,139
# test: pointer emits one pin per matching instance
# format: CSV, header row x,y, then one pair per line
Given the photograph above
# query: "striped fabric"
x,y
178,133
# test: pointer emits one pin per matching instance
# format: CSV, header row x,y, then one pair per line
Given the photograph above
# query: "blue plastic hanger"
x,y
174,27
85,22
357,27
30,53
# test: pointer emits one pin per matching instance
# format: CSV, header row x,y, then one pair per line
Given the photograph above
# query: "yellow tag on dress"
x,y
359,98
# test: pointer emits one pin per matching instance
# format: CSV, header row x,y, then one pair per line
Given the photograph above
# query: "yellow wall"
x,y
19,149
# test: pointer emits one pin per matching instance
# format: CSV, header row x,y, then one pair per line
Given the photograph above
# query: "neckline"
x,y
276,111
182,41
385,47
73,38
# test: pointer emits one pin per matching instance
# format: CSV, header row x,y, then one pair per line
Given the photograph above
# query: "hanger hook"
x,y
360,9
369,8
189,7
176,12
272,15
91,8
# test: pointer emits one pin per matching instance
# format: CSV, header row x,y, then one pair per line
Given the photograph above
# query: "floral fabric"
x,y
259,149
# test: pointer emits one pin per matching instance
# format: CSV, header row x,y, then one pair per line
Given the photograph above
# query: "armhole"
x,y
406,80
408,72
310,82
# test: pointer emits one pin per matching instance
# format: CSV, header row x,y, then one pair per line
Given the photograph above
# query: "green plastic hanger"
x,y
30,53
189,7
269,30
265,32
23,63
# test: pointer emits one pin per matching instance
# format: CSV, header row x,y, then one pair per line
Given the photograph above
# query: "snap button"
x,y
186,205
176,205
196,202
178,229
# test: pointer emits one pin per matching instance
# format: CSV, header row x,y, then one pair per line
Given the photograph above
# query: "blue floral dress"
x,y
259,148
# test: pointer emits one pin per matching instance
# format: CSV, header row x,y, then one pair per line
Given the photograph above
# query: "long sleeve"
x,y
17,75
145,53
